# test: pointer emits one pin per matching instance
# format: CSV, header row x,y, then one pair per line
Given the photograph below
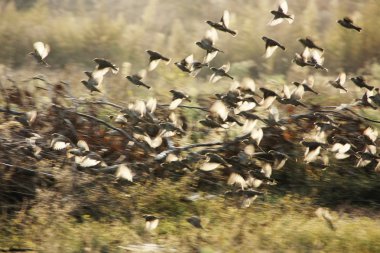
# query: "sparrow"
x,y
223,24
41,51
155,58
349,24
271,46
280,14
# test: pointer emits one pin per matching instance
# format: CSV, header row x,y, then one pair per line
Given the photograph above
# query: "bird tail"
x,y
358,29
291,19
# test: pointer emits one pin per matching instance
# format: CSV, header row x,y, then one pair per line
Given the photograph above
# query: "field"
x,y
123,158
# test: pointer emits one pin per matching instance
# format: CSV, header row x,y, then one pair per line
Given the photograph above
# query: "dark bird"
x,y
195,221
366,100
313,149
301,61
307,42
280,14
376,98
223,25
269,97
190,66
307,85
220,72
136,79
349,24
60,142
155,58
105,65
361,82
151,222
185,64
90,86
207,43
93,83
41,51
271,46
178,97
339,82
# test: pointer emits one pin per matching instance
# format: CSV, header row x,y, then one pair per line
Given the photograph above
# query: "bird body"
x,y
155,58
270,46
41,51
347,22
223,25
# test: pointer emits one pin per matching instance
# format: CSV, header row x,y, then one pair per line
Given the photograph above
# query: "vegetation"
x,y
49,203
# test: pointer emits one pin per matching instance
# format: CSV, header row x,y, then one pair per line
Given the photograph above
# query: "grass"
x,y
286,224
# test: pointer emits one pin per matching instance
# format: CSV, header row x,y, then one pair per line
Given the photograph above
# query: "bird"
x,y
207,43
102,68
339,82
307,85
190,66
280,14
195,221
155,58
124,172
59,142
361,82
307,42
220,72
376,98
41,51
347,22
92,83
136,79
178,97
151,222
223,24
271,46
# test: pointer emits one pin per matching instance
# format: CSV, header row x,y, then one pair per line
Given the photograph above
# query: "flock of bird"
x,y
243,106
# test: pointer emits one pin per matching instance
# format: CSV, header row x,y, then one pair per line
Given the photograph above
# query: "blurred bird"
x,y
349,24
207,43
185,64
41,51
313,149
178,97
339,82
306,85
103,67
376,98
195,221
220,72
281,14
271,46
136,79
223,24
59,142
151,222
307,42
324,214
124,172
361,82
269,97
92,83
155,58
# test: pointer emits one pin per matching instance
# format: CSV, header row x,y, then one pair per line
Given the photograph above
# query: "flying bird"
x,y
223,25
280,14
155,58
41,51
361,82
208,43
178,97
220,72
136,79
271,46
339,82
349,24
307,42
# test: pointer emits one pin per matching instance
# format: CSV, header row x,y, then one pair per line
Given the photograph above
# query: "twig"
x,y
30,170
124,133
188,107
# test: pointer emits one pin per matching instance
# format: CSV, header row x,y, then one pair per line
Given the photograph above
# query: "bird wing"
x,y
286,91
124,172
189,60
211,35
283,6
210,56
275,21
41,48
83,144
342,78
225,19
175,103
248,84
220,109
153,64
269,50
226,67
141,74
348,20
